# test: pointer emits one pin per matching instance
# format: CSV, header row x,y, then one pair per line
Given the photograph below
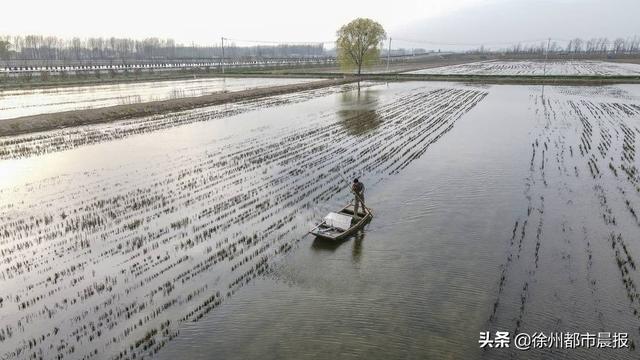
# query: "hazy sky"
x,y
205,21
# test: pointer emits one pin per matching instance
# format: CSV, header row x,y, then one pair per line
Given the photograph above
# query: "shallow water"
x,y
493,211
423,279
16,103
551,67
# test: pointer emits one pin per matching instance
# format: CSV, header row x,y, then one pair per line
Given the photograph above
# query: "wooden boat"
x,y
344,223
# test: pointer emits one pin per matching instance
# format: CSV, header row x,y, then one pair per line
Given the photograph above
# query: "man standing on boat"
x,y
358,190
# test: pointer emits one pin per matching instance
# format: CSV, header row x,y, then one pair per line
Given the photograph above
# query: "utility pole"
x,y
222,63
388,54
546,56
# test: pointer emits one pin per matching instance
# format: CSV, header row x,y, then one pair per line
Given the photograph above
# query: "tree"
x,y
618,46
358,43
577,45
76,43
4,49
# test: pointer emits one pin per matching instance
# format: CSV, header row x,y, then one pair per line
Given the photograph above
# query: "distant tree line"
x,y
592,46
38,47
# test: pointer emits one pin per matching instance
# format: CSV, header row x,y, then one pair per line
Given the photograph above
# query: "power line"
x,y
489,43
282,42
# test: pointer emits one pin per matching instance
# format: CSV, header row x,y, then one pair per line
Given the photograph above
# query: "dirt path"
x,y
43,122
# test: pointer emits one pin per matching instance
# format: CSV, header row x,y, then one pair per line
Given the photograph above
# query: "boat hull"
x,y
359,221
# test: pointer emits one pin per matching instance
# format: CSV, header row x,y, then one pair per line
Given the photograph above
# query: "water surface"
x,y
496,208
16,103
533,67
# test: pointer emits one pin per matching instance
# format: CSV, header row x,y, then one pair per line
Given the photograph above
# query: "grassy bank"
x,y
512,79
397,68
391,76
35,81
75,80
484,79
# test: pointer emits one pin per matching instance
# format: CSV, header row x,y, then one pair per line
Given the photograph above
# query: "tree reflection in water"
x,y
357,111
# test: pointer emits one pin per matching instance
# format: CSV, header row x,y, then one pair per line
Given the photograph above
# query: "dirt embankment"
x,y
43,122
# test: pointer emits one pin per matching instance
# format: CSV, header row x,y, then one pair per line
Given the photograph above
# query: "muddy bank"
x,y
43,122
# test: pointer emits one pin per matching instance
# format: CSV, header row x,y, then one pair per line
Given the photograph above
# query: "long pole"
x,y
388,54
222,63
356,194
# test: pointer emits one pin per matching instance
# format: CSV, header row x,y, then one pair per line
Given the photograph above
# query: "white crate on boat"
x,y
338,221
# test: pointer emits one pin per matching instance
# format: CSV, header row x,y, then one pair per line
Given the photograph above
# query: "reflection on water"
x,y
194,231
324,245
357,111
124,244
357,247
24,102
498,227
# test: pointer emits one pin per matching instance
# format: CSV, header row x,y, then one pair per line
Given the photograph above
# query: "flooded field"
x,y
576,67
523,218
16,103
499,207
